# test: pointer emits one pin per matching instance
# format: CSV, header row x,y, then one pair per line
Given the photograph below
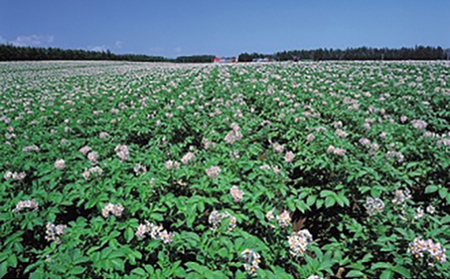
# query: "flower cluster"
x,y
298,241
234,154
172,164
337,151
93,157
16,176
97,171
60,164
270,216
289,157
53,232
208,144
419,213
32,148
401,196
284,219
364,142
104,135
156,232
419,246
115,209
139,169
340,133
236,193
213,171
122,152
252,260
277,148
234,135
30,203
187,157
85,150
392,154
444,141
419,124
374,206
215,218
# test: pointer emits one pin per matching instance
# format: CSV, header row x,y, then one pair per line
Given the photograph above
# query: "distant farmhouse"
x,y
225,59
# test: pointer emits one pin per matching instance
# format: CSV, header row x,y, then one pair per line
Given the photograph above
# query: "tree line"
x,y
195,59
362,53
14,53
10,52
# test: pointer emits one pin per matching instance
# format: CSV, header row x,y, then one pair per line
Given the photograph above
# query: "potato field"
x,y
246,170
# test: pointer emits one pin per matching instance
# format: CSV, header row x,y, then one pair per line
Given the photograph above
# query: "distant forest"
x,y
362,53
16,53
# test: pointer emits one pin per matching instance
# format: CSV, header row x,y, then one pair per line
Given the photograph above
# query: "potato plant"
x,y
279,170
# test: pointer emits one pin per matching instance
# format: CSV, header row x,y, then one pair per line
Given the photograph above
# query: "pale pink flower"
x,y
139,169
104,135
236,193
171,164
364,141
339,152
289,157
213,171
85,150
93,157
60,164
277,148
86,174
8,175
31,204
53,232
122,152
330,149
115,209
419,124
341,133
284,220
32,148
187,157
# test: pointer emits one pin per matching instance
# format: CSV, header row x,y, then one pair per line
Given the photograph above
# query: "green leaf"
x,y
12,261
77,270
443,192
446,219
140,272
431,189
117,264
387,274
326,193
402,271
129,234
329,201
319,203
311,199
379,265
3,269
354,274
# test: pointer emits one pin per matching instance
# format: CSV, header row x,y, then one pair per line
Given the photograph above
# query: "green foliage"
x,y
291,136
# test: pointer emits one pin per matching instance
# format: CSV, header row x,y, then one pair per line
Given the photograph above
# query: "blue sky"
x,y
176,27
